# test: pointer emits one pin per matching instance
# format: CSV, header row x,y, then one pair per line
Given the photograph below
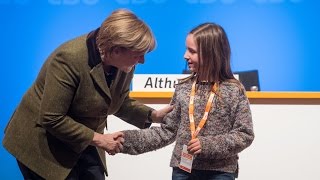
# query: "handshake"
x,y
111,143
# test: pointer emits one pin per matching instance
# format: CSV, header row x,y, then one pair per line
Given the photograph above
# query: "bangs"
x,y
142,40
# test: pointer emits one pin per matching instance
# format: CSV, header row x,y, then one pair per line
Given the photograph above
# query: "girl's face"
x,y
191,54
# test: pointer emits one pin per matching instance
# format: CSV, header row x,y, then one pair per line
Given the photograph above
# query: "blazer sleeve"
x,y
61,81
134,112
240,137
145,140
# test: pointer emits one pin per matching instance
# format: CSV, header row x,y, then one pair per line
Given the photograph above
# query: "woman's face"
x,y
191,54
125,60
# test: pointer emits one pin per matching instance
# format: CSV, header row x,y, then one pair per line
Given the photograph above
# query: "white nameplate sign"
x,y
156,82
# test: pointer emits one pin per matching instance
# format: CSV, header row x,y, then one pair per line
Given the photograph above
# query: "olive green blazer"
x,y
69,101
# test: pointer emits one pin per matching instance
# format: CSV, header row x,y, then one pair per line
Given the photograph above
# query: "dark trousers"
x,y
178,174
88,167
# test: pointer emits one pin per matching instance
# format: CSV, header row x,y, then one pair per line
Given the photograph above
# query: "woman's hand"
x,y
158,115
111,143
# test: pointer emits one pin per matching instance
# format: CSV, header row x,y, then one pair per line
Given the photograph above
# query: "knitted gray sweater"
x,y
227,132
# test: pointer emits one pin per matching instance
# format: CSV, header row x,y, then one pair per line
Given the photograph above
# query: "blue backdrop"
x,y
279,38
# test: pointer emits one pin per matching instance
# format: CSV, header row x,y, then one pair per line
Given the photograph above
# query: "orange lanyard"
x,y
194,131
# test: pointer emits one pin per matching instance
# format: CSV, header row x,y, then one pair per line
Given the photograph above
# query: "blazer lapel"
x,y
97,74
94,61
115,81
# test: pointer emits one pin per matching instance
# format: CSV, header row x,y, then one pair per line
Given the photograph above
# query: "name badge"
x,y
186,160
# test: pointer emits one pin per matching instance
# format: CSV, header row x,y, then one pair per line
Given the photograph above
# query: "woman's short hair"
x,y
124,29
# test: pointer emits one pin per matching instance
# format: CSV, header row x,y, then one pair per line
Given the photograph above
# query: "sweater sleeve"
x,y
156,137
240,137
